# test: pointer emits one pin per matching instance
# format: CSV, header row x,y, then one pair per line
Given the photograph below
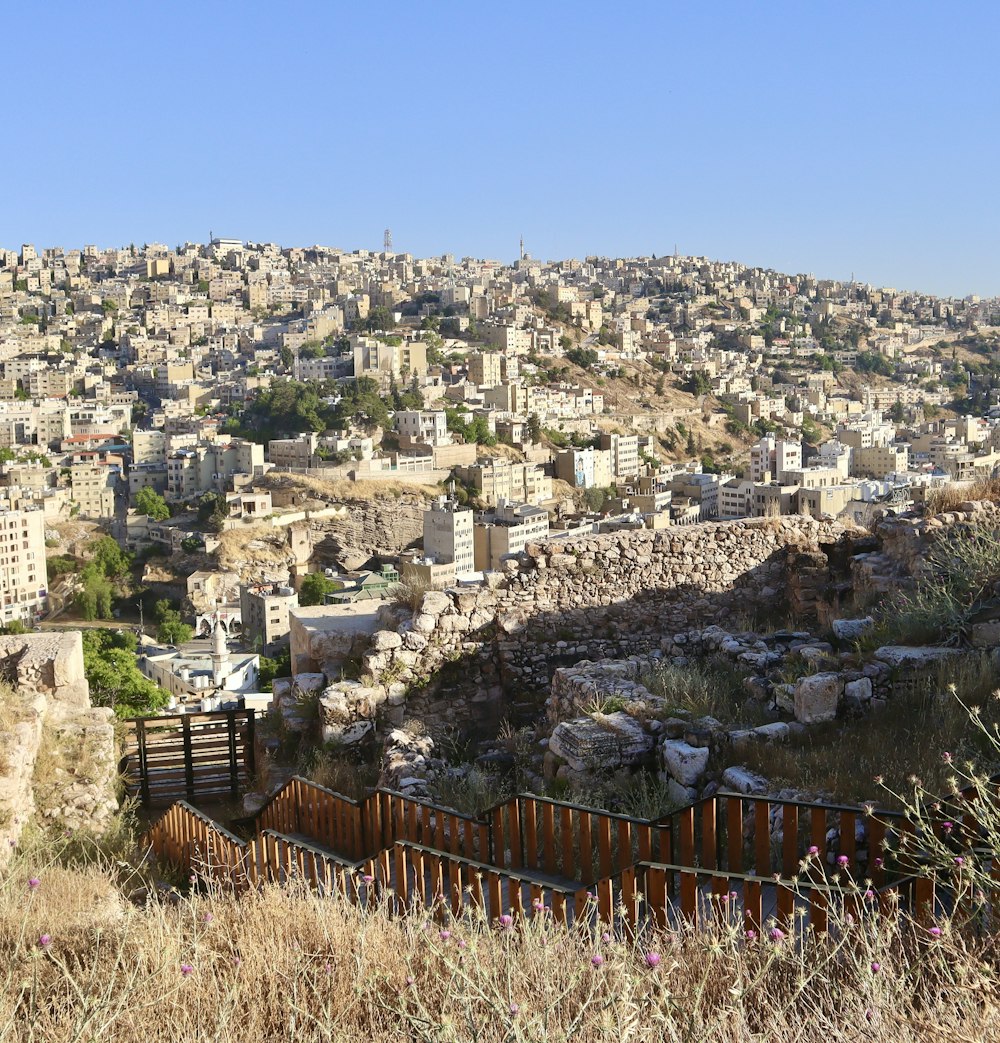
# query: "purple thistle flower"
x,y
515,1009
876,967
444,935
411,981
44,940
813,849
461,943
367,878
237,962
947,826
751,935
597,960
935,932
506,920
33,883
843,860
207,918
652,959
959,861
186,969
606,937
776,934
879,863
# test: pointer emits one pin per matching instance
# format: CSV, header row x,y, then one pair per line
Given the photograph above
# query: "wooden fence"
x,y
189,756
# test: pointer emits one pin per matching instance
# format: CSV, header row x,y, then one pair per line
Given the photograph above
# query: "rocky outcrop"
x,y
58,757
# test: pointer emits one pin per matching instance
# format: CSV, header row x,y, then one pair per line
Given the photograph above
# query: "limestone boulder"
x,y
684,762
817,697
601,743
385,641
742,780
850,630
903,657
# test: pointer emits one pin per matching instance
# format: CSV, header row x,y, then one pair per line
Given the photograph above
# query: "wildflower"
x,y
461,943
652,959
959,861
606,937
876,967
444,935
237,961
368,878
751,935
207,918
328,967
935,932
878,780
879,863
776,934
843,860
947,826
33,883
813,850
515,1009
733,896
411,981
596,960
506,920
869,893
946,757
44,940
186,969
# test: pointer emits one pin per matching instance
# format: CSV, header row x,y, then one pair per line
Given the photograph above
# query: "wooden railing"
x,y
527,854
190,841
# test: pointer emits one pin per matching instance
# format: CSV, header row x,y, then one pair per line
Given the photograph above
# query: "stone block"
x,y
685,763
903,657
986,635
850,630
742,780
817,697
385,640
860,690
601,743
678,795
435,602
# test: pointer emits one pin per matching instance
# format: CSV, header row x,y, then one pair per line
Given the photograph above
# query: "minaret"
x,y
221,667
522,247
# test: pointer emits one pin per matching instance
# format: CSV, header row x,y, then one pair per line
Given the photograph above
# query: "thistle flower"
x,y
843,860
652,959
776,934
44,940
33,883
934,932
751,935
186,969
876,967
444,935
506,920
597,960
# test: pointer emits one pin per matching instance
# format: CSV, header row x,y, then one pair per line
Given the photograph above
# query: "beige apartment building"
x,y
202,468
449,535
264,610
23,580
497,479
92,488
486,368
507,530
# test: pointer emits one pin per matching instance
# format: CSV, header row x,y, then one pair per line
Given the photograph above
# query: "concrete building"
x,y
498,479
507,530
422,427
486,368
264,609
771,457
92,488
449,535
735,499
624,450
584,468
23,579
195,470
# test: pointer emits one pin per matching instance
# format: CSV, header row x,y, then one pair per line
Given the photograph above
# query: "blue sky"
x,y
824,138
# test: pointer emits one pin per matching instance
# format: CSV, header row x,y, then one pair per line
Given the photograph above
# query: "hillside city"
x,y
217,409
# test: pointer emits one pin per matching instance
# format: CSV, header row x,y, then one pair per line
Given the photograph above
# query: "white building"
x,y
449,535
23,579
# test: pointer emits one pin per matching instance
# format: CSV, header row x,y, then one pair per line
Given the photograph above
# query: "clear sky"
x,y
809,137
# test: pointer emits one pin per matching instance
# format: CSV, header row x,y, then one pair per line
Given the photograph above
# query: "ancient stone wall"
x,y
58,758
470,654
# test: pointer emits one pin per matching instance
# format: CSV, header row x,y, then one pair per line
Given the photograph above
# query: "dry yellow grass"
x,y
79,962
344,489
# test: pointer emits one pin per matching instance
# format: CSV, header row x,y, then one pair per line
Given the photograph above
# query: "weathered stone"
x,y
859,690
986,635
778,731
601,742
742,780
683,762
903,657
850,630
678,795
385,640
435,602
817,697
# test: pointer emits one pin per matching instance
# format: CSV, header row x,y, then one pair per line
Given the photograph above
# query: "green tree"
x,y
113,562
111,668
93,599
534,429
315,587
149,502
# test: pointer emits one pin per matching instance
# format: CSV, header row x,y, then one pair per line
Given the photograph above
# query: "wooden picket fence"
x,y
712,861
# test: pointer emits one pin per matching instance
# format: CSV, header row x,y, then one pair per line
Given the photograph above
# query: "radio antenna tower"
x,y
387,241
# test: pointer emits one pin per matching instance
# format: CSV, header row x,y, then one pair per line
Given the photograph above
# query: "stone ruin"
x,y
58,754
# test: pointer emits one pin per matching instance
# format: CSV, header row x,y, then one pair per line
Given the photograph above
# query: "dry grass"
x,y
906,738
344,489
948,497
291,965
710,688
